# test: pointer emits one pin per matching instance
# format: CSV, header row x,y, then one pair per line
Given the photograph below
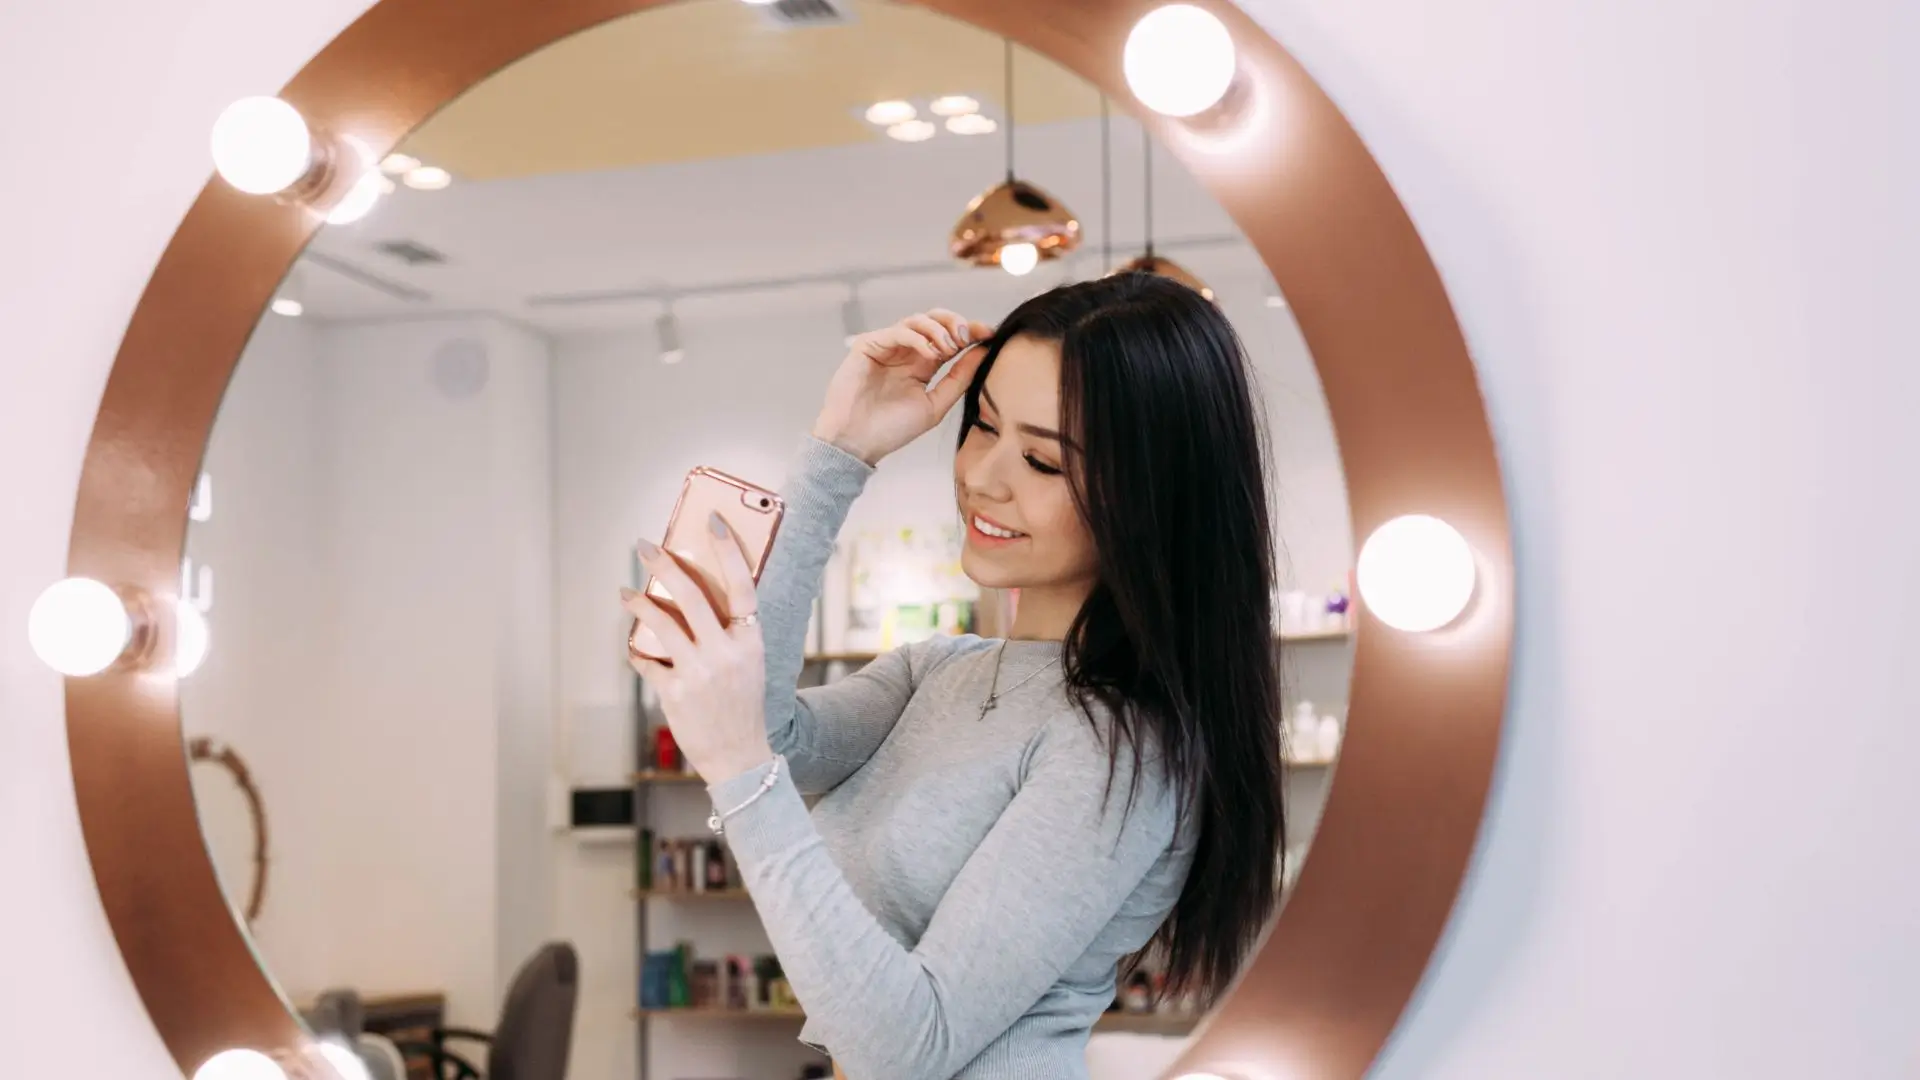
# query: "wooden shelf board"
x,y
720,1014
655,776
688,894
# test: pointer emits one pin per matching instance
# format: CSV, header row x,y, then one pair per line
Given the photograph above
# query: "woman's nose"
x,y
986,475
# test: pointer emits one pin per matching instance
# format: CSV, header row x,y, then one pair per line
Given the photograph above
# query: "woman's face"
x,y
1022,528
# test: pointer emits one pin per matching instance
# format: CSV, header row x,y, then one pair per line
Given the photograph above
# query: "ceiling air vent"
x,y
411,252
798,14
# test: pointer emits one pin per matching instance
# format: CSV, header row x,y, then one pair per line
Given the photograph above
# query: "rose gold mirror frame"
x,y
1333,975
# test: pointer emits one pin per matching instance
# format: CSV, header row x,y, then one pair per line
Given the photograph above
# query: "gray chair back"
x,y
535,1034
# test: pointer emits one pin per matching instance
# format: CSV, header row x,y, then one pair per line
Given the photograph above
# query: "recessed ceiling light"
x,y
953,105
971,124
913,131
427,178
395,164
889,113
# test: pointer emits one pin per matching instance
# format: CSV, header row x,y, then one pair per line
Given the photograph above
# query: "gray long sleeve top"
x,y
956,904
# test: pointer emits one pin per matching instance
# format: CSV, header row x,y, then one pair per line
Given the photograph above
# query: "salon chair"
x,y
535,1032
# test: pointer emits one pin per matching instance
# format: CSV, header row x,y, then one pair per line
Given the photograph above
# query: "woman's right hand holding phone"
x,y
879,400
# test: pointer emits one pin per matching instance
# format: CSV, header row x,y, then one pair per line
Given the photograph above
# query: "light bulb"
x,y
971,124
192,638
344,1061
261,145
359,199
288,306
1019,259
427,178
1179,60
1416,573
913,131
397,163
240,1065
889,113
79,627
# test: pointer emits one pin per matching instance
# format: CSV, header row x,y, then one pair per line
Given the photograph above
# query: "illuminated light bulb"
x,y
427,178
971,124
344,1061
889,113
359,200
286,305
192,638
261,145
240,1065
953,105
396,164
1019,259
79,627
913,131
1179,60
387,186
1416,573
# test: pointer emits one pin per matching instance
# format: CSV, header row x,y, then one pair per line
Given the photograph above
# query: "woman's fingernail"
x,y
649,549
717,523
628,594
966,336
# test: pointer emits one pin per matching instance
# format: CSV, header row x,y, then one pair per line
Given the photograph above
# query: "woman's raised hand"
x,y
879,400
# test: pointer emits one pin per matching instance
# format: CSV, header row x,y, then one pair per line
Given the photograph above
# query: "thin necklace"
x,y
994,691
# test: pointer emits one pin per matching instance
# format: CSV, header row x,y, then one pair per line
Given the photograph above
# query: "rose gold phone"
x,y
751,511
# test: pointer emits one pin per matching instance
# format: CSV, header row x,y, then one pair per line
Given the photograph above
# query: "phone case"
x,y
752,512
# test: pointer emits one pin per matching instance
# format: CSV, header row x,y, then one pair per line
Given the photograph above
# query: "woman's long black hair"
x,y
1176,640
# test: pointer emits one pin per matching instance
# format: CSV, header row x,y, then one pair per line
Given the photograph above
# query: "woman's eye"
x,y
1042,467
984,426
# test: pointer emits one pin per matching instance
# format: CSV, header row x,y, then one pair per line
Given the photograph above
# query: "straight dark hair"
x,y
1167,468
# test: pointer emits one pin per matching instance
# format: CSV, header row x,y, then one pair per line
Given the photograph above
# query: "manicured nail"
x,y
966,335
717,524
649,550
627,594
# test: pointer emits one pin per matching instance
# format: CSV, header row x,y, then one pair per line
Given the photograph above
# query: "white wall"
x,y
1675,233
383,657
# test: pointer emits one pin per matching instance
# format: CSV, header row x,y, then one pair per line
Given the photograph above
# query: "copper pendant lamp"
x,y
1013,225
1149,262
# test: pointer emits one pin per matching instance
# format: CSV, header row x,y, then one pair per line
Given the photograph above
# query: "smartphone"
x,y
751,511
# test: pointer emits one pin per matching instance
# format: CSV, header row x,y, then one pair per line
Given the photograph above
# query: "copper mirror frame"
x,y
1400,824
205,750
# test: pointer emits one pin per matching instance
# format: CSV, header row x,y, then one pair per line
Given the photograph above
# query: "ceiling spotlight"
x,y
1162,266
667,329
427,178
1179,60
912,131
396,164
1019,259
954,105
971,124
262,146
288,306
889,113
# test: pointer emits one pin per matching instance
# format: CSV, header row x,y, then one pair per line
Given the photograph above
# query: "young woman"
x,y
1005,823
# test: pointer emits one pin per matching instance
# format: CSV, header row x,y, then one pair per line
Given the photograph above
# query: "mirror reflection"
x,y
721,236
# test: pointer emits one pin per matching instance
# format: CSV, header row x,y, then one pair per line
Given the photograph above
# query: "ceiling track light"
x,y
667,329
1013,225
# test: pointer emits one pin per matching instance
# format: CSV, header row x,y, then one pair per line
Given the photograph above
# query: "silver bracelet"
x,y
716,821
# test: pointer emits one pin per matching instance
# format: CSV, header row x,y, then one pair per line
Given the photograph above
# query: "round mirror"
x,y
464,407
